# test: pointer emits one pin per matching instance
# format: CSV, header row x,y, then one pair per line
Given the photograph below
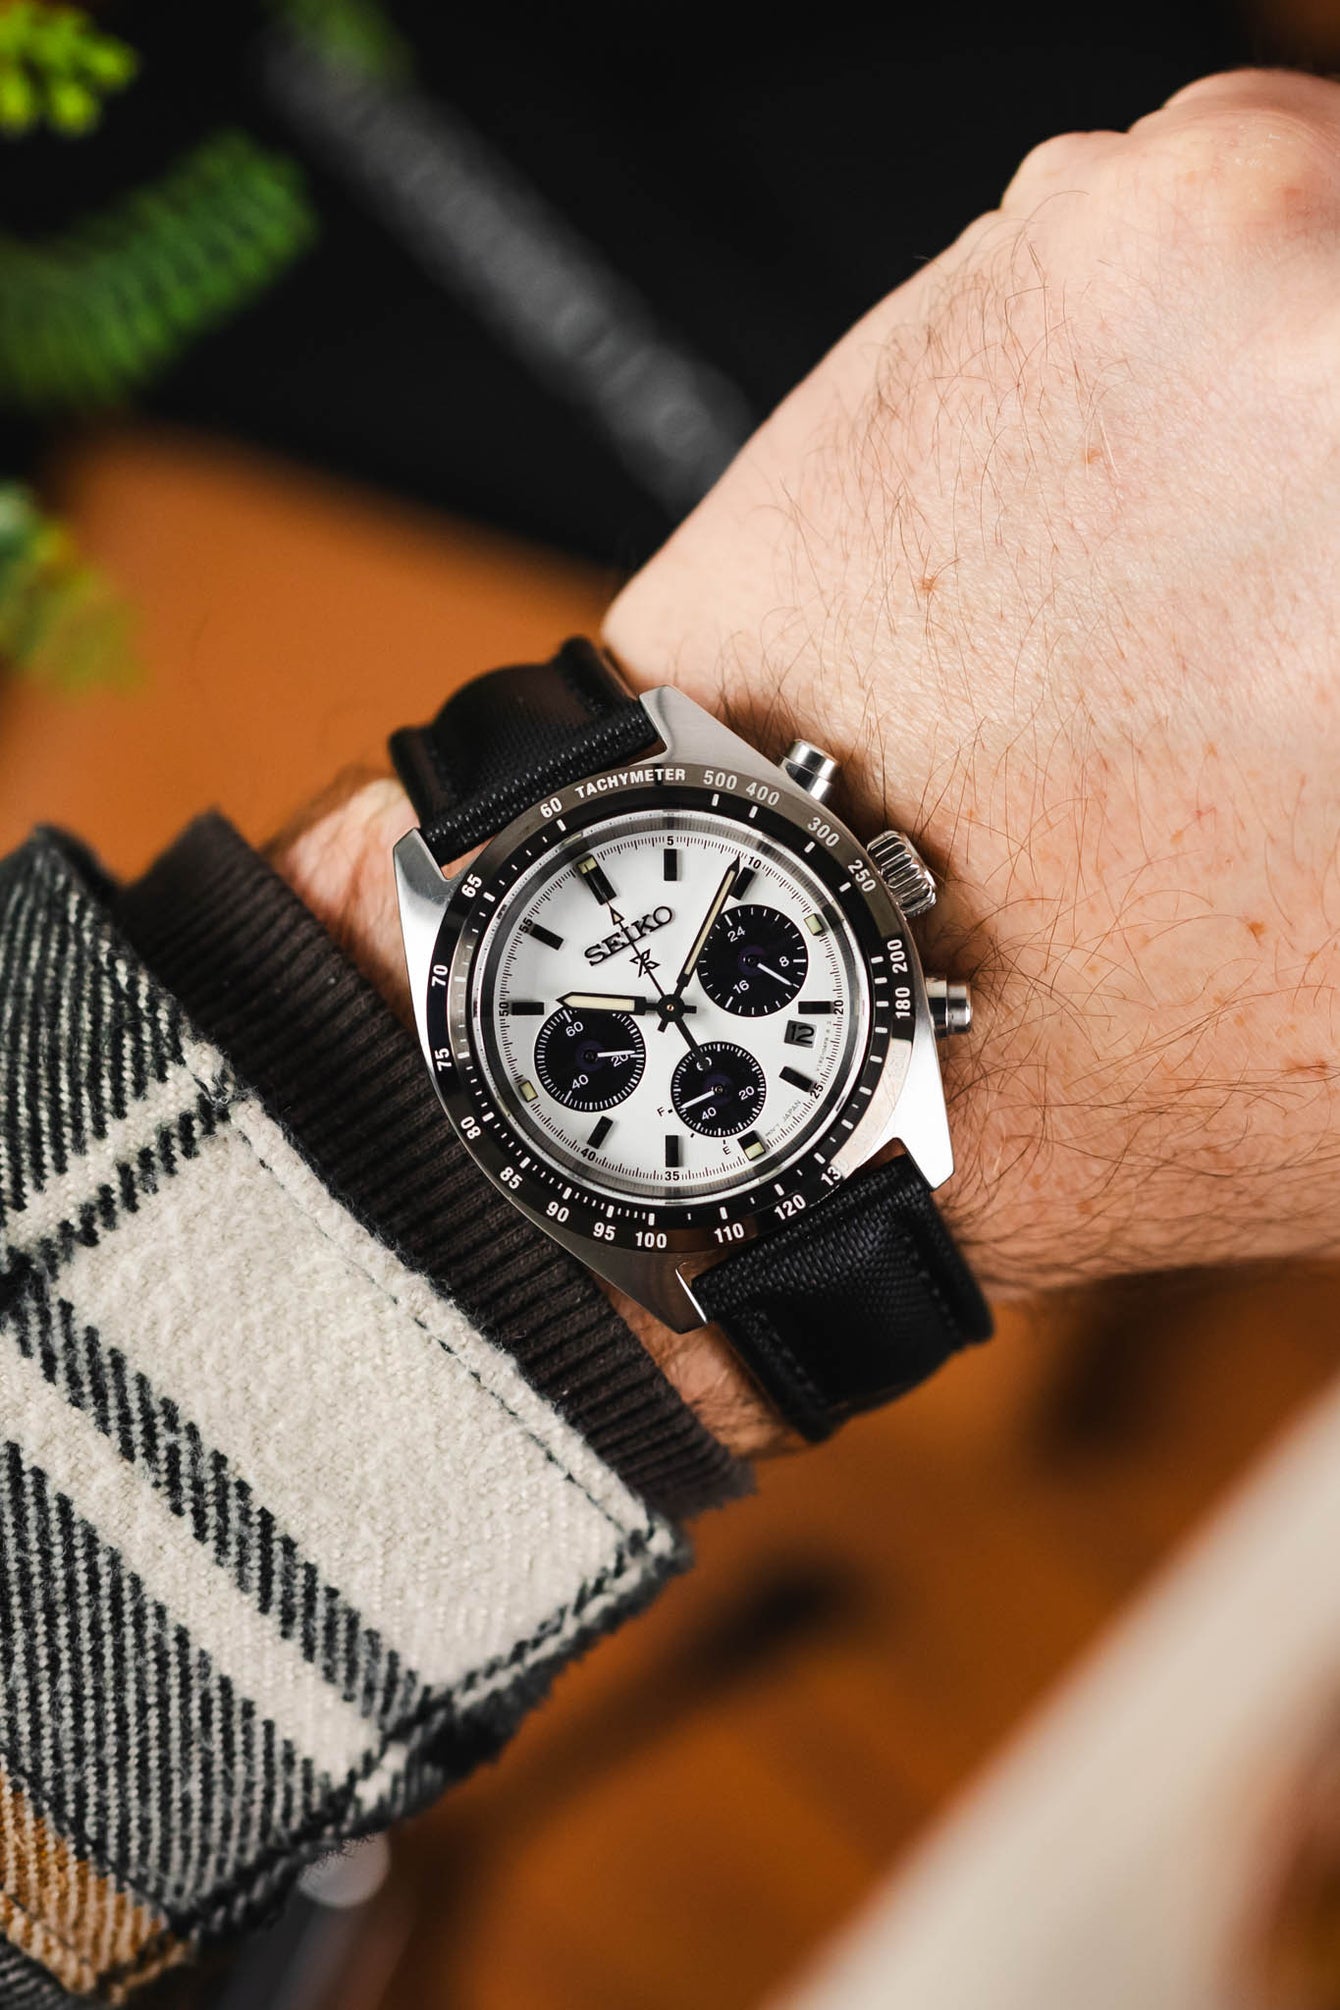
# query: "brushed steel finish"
x,y
904,871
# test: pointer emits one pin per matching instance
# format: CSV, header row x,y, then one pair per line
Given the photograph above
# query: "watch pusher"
x,y
811,769
951,1006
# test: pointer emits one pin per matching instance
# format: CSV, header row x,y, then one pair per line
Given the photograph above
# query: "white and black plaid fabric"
x,y
285,1544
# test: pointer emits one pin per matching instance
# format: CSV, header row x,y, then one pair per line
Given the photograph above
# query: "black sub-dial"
x,y
754,961
589,1060
718,1089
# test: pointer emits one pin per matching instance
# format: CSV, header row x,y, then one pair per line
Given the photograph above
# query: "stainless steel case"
x,y
444,920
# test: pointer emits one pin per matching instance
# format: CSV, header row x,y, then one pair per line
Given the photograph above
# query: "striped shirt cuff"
x,y
289,1542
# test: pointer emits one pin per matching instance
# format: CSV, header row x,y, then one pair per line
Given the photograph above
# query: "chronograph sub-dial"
x,y
754,961
589,1060
718,1089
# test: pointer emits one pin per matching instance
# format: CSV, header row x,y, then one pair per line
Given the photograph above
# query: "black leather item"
x,y
508,739
849,1304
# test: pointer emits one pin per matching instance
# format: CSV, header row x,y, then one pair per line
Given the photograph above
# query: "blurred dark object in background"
x,y
564,261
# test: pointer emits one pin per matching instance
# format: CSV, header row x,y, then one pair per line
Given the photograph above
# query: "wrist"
x,y
335,855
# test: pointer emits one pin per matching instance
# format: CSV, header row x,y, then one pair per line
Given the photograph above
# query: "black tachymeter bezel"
x,y
511,1160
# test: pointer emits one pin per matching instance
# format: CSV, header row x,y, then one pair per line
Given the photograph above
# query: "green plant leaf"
x,y
57,65
88,316
60,618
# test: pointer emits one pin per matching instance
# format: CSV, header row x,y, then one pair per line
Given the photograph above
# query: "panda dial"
x,y
670,1005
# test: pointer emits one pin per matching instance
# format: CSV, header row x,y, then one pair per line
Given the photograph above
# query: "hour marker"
x,y
544,935
799,1081
815,1005
799,1033
674,1149
816,924
525,1008
670,862
599,1134
740,885
589,870
527,1092
751,1144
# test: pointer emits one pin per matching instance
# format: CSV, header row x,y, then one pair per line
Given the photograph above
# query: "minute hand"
x,y
719,899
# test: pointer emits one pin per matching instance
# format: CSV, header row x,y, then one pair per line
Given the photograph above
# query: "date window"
x,y
800,1032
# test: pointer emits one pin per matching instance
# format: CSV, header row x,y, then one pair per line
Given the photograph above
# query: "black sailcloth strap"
x,y
844,1306
508,739
850,1304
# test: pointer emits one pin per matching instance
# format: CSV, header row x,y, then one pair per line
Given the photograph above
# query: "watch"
x,y
673,1010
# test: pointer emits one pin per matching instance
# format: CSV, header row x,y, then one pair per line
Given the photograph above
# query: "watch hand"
x,y
719,899
776,975
673,1007
705,1097
603,1001
615,1053
611,1001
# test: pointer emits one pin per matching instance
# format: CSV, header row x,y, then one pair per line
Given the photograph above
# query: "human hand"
x,y
1047,551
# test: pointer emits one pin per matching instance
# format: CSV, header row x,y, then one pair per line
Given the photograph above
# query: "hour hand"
x,y
603,1001
611,1001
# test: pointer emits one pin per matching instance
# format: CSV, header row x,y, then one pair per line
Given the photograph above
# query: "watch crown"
x,y
904,871
810,768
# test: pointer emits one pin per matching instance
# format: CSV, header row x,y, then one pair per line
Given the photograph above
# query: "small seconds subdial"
x,y
589,1060
718,1089
753,962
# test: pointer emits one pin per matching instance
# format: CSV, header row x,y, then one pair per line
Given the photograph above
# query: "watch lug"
x,y
650,1278
422,895
915,1115
921,1122
653,1282
690,734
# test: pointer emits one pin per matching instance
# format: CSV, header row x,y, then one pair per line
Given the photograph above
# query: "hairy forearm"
x,y
1045,552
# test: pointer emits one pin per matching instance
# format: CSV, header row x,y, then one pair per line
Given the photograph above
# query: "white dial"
x,y
670,1006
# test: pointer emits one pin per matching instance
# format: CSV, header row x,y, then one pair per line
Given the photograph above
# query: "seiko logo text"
x,y
631,932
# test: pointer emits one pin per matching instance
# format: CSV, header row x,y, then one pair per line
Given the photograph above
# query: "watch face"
x,y
656,1026
669,1006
